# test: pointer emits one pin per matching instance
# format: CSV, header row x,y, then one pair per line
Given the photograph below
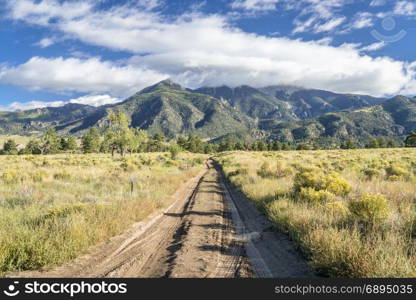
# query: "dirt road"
x,y
209,231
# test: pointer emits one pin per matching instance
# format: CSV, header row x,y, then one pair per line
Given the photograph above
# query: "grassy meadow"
x,y
53,208
351,212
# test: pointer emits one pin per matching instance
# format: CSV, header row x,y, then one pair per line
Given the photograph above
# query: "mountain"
x,y
309,103
287,103
392,118
35,121
168,108
252,102
165,107
285,113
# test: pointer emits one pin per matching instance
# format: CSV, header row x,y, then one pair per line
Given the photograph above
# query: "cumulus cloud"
x,y
79,75
197,50
92,100
255,5
95,100
31,105
407,8
363,20
373,47
45,42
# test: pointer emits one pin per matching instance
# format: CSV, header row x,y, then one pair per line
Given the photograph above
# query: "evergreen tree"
x,y
156,143
277,146
410,140
372,144
33,147
261,146
10,147
91,142
286,147
71,144
349,144
50,142
209,148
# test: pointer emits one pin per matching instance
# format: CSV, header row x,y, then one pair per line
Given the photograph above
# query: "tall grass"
x,y
353,213
52,208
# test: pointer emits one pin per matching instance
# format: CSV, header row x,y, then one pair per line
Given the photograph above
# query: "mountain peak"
x,y
167,83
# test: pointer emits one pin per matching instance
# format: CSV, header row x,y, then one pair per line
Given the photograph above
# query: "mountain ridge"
x,y
286,113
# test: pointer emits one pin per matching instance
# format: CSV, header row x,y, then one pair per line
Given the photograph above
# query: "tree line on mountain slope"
x,y
118,137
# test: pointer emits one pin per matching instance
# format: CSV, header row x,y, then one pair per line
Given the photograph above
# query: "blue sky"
x,y
96,52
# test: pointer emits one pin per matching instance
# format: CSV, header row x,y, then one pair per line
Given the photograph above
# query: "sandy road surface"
x,y
209,231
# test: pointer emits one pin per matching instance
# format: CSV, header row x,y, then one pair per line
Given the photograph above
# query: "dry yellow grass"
x,y
52,208
352,212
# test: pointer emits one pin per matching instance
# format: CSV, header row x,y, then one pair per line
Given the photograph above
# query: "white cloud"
x,y
407,8
362,20
92,100
95,100
255,5
373,47
316,14
31,105
45,42
149,4
80,75
378,3
329,25
197,50
42,12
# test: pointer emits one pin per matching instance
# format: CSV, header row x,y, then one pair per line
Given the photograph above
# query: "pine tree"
x,y
10,147
50,142
410,140
91,142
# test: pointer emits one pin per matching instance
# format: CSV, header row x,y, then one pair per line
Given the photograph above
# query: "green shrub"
x,y
267,171
308,179
395,173
370,173
38,176
10,177
332,183
315,197
337,208
337,185
65,210
197,161
370,208
172,163
282,170
64,175
174,151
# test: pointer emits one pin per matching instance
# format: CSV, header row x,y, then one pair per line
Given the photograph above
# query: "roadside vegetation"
x,y
351,212
53,208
